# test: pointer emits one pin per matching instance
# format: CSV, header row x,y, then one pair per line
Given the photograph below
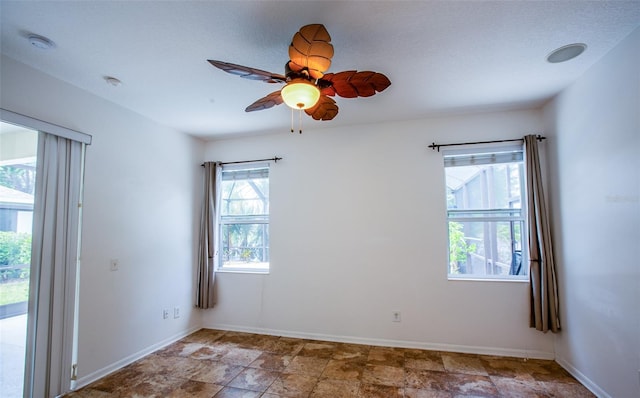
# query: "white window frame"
x,y
484,155
223,220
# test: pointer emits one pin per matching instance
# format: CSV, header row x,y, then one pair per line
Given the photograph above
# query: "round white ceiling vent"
x,y
112,81
566,53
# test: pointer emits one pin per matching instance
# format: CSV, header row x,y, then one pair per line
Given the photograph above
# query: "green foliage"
x,y
458,247
15,248
19,178
14,292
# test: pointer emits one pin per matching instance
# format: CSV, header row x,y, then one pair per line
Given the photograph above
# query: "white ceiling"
x,y
441,56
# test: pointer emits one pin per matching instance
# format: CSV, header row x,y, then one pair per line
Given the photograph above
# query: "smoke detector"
x,y
40,42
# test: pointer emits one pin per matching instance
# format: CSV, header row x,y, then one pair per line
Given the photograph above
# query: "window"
x,y
486,214
244,218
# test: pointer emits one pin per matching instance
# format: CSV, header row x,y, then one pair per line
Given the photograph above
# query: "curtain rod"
x,y
435,146
275,159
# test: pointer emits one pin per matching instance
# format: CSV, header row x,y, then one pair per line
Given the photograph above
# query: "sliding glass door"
x,y
18,147
41,181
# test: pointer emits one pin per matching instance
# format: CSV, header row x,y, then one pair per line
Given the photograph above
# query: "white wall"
x,y
358,230
141,206
594,129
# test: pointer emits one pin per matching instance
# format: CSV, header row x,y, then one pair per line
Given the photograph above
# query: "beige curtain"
x,y
542,274
205,294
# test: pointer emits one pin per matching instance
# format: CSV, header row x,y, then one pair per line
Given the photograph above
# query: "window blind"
x,y
475,159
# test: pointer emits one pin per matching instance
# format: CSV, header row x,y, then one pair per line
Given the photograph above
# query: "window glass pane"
x,y
18,151
245,197
245,245
485,215
244,217
490,186
486,248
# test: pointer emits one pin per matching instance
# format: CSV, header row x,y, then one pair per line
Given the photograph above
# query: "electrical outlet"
x,y
165,314
176,312
114,264
395,316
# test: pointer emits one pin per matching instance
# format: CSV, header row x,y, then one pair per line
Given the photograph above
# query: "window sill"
x,y
243,271
475,279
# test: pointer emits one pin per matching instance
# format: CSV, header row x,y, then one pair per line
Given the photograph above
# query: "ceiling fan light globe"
x,y
300,94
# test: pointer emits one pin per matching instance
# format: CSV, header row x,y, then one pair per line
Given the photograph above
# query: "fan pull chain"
x,y
299,121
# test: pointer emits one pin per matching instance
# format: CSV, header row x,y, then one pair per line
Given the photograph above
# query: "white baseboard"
x,y
508,352
593,387
90,378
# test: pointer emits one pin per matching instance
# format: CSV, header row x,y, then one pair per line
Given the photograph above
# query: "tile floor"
x,y
213,363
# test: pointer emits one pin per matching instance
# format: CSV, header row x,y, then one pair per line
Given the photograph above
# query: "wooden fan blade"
x,y
351,84
248,73
311,49
325,109
267,102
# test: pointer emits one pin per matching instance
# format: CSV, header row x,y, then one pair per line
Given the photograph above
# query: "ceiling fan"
x,y
307,86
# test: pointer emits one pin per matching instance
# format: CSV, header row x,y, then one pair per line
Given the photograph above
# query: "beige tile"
x,y
378,391
217,373
412,353
463,363
231,392
260,342
90,393
173,366
293,385
518,388
329,388
318,350
417,393
415,353
427,380
212,353
472,385
343,370
506,367
153,386
542,370
351,352
240,356
195,389
383,375
206,336
386,356
115,382
275,362
287,346
566,390
254,379
424,364
149,364
179,348
238,339
307,366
